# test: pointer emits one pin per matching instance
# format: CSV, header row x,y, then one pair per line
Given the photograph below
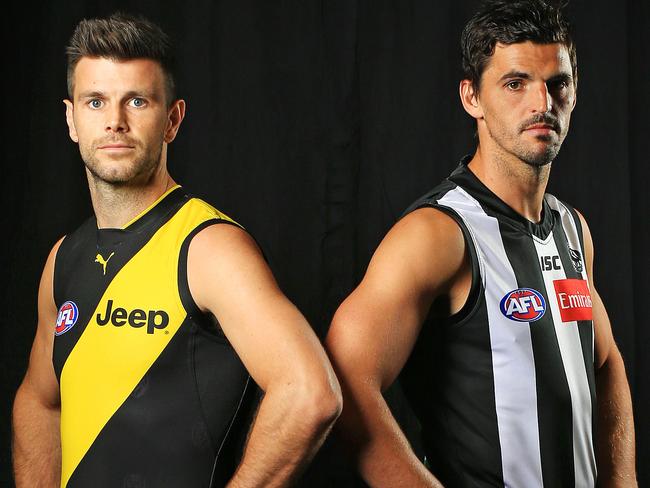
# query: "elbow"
x,y
326,404
321,403
331,404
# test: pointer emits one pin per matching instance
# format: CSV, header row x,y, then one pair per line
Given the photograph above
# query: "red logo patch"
x,y
573,299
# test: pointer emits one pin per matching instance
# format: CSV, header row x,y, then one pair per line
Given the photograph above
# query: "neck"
x,y
115,205
520,185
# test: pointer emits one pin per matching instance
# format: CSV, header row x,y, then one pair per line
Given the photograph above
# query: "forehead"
x,y
114,76
543,60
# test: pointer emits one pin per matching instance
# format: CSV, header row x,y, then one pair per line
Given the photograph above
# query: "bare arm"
x,y
229,277
36,440
374,331
615,451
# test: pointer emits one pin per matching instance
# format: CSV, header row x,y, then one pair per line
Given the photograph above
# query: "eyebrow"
x,y
91,94
563,76
129,94
515,74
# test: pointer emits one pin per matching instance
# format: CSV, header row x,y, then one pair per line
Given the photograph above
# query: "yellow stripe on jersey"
x,y
108,361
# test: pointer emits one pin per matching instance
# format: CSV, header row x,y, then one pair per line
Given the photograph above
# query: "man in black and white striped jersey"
x,y
482,296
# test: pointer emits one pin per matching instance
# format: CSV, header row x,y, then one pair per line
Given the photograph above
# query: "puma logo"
x,y
100,259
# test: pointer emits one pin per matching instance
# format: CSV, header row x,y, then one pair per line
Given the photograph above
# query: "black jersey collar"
x,y
496,207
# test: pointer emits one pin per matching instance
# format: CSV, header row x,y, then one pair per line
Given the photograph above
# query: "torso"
x,y
149,385
505,388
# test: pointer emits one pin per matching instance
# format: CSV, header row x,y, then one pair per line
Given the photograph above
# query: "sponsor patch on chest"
x,y
136,318
573,299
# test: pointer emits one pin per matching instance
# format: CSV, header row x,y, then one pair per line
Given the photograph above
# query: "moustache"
x,y
546,119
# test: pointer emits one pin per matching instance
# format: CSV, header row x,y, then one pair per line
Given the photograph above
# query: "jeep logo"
x,y
154,319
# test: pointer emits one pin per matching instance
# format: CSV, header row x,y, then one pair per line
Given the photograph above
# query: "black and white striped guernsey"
x,y
505,388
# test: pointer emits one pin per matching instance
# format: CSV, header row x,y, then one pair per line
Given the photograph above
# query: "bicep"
x,y
40,377
229,277
374,330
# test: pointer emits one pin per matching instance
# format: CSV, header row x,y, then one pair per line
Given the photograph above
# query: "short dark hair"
x,y
121,37
510,22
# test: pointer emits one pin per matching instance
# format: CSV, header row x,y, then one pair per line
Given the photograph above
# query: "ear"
x,y
69,118
175,116
469,99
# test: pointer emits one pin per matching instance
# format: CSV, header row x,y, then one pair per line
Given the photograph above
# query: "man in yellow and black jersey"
x,y
155,311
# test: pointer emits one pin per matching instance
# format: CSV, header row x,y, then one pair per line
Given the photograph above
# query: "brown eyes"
x,y
555,86
514,85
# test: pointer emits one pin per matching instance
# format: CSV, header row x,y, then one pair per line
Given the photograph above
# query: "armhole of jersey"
x,y
471,303
56,272
234,440
578,223
192,309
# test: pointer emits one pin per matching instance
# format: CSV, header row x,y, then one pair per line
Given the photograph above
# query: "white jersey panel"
x,y
512,352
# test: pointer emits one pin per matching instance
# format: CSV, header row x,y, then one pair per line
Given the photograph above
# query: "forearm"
x,y
288,430
615,443
36,443
384,456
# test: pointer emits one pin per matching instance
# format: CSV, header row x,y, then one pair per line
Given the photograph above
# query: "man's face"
x,y
119,117
526,97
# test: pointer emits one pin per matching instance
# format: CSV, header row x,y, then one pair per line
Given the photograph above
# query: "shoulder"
x,y
54,252
425,248
224,263
427,228
211,232
223,237
46,287
204,210
222,254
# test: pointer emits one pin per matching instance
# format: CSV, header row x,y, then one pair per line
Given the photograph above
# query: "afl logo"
x,y
523,305
68,315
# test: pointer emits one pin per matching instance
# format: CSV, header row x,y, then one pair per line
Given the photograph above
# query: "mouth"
x,y
540,129
116,148
541,126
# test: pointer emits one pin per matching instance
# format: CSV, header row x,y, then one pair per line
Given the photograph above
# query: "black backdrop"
x,y
315,123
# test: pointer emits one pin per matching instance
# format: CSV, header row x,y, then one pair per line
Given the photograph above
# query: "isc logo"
x,y
154,319
523,305
550,263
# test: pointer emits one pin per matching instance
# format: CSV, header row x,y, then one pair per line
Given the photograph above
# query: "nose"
x,y
116,119
542,101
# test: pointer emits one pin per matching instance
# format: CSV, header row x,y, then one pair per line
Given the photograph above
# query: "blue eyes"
x,y
136,102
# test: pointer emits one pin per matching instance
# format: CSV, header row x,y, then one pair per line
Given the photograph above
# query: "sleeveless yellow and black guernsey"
x,y
150,387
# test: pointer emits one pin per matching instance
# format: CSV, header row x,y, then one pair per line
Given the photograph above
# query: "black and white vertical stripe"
x,y
542,371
